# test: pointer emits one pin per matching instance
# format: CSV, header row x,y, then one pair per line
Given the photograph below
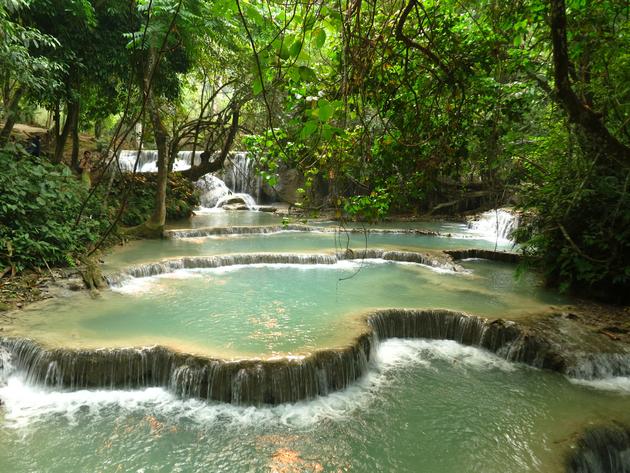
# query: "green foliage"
x,y
181,197
38,204
368,208
577,221
21,48
271,151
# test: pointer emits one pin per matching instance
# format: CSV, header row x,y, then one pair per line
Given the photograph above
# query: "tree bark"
x,y
410,43
74,160
207,166
11,115
577,111
158,218
72,109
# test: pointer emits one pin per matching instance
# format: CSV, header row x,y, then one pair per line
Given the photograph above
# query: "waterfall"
x,y
240,175
239,198
600,365
238,180
212,190
494,225
265,229
147,161
502,256
604,449
237,230
220,261
274,380
215,194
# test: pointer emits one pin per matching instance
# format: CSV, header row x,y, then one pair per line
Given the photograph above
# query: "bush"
x,y
578,228
181,197
39,202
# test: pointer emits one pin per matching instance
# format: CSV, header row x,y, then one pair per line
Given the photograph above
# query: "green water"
x,y
220,218
274,309
432,407
153,250
424,406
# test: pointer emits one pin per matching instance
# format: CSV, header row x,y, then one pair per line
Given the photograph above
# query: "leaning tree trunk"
x,y
207,166
11,115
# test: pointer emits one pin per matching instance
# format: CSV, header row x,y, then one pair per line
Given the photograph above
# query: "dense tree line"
x,y
391,106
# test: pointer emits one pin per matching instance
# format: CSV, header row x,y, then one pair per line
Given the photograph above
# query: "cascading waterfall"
x,y
495,225
237,181
604,449
600,365
147,160
292,227
212,190
275,380
240,175
238,198
218,261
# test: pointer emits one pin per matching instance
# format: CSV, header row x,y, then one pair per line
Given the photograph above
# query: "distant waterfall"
x,y
212,190
495,225
147,160
240,175
238,179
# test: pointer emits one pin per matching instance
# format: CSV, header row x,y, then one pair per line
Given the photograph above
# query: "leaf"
x,y
307,74
296,47
517,40
257,86
284,52
293,73
308,129
325,110
319,37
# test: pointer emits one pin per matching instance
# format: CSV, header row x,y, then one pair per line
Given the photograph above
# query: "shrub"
x,y
181,197
39,202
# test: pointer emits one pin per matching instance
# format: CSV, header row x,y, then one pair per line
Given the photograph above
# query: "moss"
x,y
91,274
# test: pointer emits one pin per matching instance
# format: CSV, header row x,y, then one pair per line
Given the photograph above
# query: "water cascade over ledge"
x,y
495,225
272,380
603,449
291,227
443,262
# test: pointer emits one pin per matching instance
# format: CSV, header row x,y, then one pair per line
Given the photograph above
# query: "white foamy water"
x,y
494,225
396,353
620,384
247,199
212,189
147,160
25,404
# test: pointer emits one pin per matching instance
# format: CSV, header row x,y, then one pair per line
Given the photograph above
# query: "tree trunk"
x,y
74,161
578,112
98,128
72,109
206,166
11,115
157,220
